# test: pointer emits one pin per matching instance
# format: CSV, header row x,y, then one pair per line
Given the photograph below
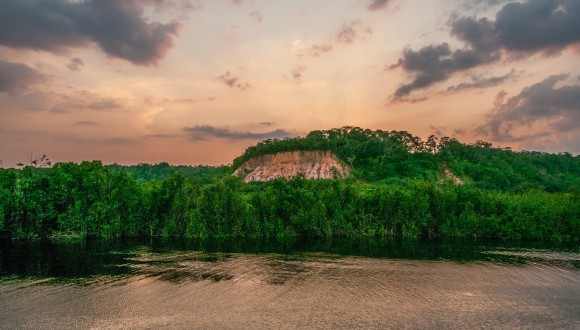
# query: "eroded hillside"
x,y
312,164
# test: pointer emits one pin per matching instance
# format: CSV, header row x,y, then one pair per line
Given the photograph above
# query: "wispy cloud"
x,y
85,123
298,71
256,16
206,132
161,136
481,82
352,32
316,50
233,81
189,100
83,100
348,34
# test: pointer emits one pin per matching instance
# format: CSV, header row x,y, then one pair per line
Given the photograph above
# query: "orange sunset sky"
x,y
196,82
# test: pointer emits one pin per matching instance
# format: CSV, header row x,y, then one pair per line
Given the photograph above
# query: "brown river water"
x,y
338,285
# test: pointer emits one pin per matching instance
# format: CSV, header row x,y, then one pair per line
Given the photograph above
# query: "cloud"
x,y
533,26
378,4
118,141
316,50
85,123
75,64
189,100
205,132
161,136
83,100
353,31
347,34
546,108
256,16
437,63
478,82
519,29
480,5
298,71
232,81
180,6
16,78
119,28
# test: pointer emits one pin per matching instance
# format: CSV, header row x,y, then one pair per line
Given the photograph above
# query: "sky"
x,y
197,81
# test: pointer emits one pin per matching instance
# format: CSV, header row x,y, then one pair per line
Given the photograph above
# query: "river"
x,y
306,284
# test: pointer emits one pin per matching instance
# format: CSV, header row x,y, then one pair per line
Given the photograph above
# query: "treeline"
x,y
398,187
92,200
392,156
151,172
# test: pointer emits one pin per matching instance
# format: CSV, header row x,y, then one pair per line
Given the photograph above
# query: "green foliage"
x,y
147,172
381,156
503,169
398,188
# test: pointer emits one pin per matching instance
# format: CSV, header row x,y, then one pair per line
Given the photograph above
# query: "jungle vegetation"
x,y
398,187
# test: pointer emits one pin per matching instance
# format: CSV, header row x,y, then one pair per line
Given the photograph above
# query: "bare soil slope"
x,y
312,164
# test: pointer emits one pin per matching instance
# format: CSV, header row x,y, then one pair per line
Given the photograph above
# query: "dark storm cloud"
x,y
536,25
118,27
519,29
437,63
205,132
543,102
232,81
16,78
378,4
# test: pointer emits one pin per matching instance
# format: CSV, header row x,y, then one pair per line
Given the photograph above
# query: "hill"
x,y
392,156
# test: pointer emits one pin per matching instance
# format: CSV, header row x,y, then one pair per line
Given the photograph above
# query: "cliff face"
x,y
313,164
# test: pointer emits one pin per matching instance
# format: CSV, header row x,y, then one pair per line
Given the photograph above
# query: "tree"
x,y
42,162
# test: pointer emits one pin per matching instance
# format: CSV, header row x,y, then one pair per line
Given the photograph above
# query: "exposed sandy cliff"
x,y
313,164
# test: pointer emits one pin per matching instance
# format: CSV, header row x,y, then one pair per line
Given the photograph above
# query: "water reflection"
x,y
197,260
288,285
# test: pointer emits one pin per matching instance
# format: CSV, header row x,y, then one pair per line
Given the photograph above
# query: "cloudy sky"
x,y
197,81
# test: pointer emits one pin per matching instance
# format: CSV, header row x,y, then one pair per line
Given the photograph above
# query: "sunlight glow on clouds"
x,y
195,81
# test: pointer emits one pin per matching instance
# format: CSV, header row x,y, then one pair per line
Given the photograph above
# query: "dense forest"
x,y
398,187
